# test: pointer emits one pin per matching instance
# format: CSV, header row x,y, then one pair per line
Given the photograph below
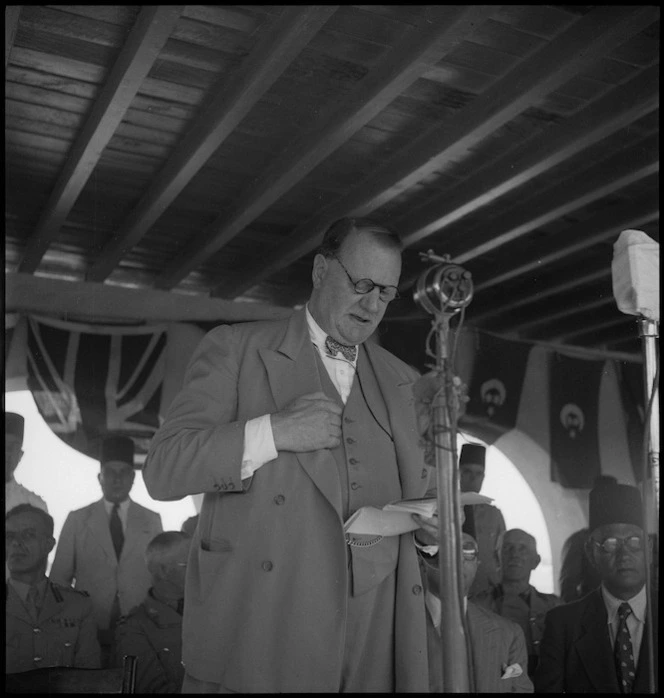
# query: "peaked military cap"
x,y
14,424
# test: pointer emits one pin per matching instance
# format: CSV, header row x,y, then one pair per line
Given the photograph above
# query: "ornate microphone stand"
x,y
443,290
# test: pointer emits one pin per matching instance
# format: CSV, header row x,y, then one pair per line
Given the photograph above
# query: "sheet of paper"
x,y
395,518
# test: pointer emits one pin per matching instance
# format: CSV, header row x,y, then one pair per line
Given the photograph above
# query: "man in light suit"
x,y
102,546
498,657
288,427
600,643
484,522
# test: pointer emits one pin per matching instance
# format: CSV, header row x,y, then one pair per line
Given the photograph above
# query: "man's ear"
x,y
318,270
589,550
538,559
51,543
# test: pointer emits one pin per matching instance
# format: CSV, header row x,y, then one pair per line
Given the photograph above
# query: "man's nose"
x,y
371,301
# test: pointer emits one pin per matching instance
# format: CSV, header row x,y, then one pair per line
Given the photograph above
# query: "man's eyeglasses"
x,y
611,545
470,552
363,286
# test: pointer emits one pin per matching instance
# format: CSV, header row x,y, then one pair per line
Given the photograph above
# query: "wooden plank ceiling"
x,y
204,149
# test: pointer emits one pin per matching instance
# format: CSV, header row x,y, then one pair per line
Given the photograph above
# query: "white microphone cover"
x,y
635,271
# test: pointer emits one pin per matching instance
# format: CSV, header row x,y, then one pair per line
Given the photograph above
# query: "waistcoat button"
x,y
279,499
267,565
417,589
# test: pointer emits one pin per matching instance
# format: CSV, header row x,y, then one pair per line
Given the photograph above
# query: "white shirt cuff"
x,y
428,549
259,445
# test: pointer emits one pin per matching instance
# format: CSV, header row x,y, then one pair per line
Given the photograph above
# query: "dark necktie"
x,y
623,652
469,521
333,348
180,608
32,602
117,536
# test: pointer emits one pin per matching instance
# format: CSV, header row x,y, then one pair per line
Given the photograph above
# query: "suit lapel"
x,y
397,392
99,528
134,524
642,680
292,372
484,639
594,646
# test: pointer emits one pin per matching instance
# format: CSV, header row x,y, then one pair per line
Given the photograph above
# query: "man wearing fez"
x,y
15,493
288,427
599,644
483,522
102,546
46,624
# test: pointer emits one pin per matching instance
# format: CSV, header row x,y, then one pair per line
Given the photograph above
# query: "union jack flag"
x,y
90,381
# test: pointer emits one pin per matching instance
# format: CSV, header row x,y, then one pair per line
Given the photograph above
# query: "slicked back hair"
x,y
161,546
341,229
29,509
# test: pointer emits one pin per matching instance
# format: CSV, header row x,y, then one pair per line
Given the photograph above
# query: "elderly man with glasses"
x,y
498,657
599,644
288,427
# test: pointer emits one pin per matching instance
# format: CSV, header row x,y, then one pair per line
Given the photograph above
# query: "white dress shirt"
x,y
123,509
259,445
636,620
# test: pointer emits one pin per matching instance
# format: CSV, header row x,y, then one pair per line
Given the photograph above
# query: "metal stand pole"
x,y
442,291
649,331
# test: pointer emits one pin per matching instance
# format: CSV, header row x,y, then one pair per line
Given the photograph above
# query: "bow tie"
x,y
333,348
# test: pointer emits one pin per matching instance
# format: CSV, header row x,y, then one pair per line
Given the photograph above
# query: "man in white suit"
x,y
102,546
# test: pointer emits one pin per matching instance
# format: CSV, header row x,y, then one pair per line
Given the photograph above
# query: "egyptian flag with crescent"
x,y
495,386
573,420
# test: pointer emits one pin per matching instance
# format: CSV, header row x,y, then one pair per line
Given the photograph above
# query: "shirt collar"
x,y
318,337
637,603
122,509
22,588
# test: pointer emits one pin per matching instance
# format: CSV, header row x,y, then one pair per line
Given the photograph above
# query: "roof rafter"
x,y
12,13
552,317
565,200
407,61
544,71
600,229
542,295
142,47
588,329
612,112
267,62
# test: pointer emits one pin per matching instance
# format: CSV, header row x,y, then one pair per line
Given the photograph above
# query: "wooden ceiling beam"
x,y
604,227
27,293
565,200
547,319
612,112
594,327
142,47
567,285
12,13
586,41
267,62
405,63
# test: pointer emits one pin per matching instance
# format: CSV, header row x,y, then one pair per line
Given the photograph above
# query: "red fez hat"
x,y
615,504
14,425
117,448
472,454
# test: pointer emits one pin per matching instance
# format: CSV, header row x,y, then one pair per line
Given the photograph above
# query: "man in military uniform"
x,y
515,597
15,493
152,632
46,624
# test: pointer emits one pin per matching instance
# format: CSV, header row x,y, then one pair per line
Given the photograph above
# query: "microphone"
x,y
635,272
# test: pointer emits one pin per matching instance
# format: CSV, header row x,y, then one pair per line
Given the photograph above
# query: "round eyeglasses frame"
x,y
364,286
609,546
